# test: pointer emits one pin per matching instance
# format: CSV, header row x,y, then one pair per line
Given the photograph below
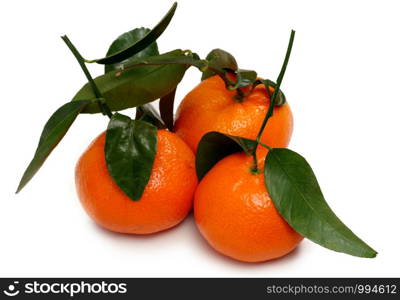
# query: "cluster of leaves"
x,y
137,74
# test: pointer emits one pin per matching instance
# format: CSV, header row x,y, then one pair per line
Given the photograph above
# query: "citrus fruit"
x,y
236,215
165,202
212,107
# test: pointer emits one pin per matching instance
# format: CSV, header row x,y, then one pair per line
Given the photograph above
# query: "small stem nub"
x,y
273,97
239,95
102,105
254,167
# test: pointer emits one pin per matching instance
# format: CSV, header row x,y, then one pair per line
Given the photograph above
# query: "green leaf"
x,y
137,85
131,146
124,41
214,146
244,78
298,198
280,98
148,114
166,106
219,61
54,130
137,46
145,112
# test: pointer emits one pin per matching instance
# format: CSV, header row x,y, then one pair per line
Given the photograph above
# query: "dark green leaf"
x,y
280,98
136,86
214,146
220,61
141,44
244,78
130,149
126,39
54,130
145,112
297,196
148,114
166,106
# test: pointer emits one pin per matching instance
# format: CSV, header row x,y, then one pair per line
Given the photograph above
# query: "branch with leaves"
x,y
136,74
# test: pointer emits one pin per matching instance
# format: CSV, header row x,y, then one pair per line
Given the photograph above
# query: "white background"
x,y
342,84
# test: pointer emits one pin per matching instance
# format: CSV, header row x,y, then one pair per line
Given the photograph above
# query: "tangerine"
x,y
166,200
235,214
210,106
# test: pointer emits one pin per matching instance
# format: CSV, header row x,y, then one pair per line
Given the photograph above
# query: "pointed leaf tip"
x,y
141,44
297,196
54,130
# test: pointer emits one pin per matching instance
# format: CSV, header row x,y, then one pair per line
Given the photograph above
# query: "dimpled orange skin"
x,y
211,107
237,217
167,198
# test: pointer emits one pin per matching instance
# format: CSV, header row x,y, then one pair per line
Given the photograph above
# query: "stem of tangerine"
x,y
103,106
273,98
